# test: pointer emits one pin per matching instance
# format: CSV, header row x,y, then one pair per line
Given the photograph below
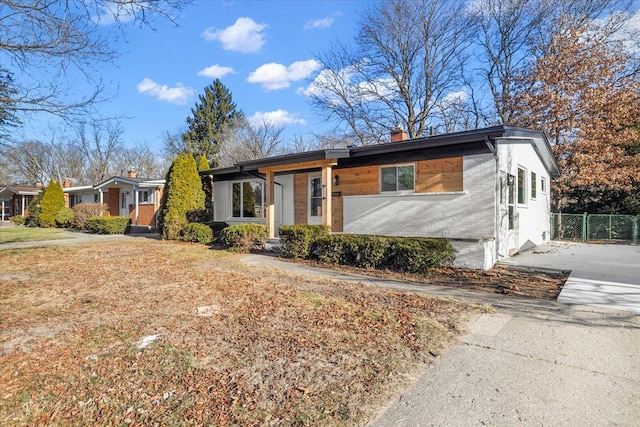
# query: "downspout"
x,y
494,151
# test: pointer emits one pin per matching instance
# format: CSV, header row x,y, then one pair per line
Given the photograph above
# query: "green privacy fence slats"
x,y
585,227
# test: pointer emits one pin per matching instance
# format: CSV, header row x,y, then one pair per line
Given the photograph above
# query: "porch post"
x,y
326,196
270,208
2,211
101,199
135,195
24,202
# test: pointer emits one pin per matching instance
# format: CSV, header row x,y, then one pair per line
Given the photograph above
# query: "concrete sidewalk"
x,y
72,237
533,362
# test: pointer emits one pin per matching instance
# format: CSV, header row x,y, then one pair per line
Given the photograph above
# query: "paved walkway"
x,y
606,276
533,362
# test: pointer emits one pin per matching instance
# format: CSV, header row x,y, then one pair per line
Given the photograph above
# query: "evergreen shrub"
x,y
403,254
108,224
33,217
18,219
244,237
64,218
196,233
52,203
297,240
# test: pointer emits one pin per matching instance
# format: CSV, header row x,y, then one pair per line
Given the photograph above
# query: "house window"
x,y
543,185
397,178
534,185
96,198
316,197
522,177
248,199
145,196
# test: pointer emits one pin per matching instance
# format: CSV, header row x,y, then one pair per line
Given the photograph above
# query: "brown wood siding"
x,y
300,193
440,175
337,222
358,181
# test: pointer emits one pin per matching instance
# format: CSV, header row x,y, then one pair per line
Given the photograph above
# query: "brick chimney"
x,y
132,174
66,183
398,134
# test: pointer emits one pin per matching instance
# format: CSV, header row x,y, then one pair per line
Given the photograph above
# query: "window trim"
x,y
396,191
262,207
151,198
543,185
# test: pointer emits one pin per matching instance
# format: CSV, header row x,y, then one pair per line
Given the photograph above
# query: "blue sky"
x,y
263,52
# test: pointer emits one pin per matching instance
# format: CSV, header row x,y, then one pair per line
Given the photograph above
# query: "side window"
x,y
397,178
543,185
522,186
534,185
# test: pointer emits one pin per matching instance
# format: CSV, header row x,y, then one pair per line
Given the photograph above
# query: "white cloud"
x,y
274,76
276,118
245,35
178,94
216,71
321,23
112,13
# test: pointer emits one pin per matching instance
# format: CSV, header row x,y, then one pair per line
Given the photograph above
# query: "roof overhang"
x,y
8,190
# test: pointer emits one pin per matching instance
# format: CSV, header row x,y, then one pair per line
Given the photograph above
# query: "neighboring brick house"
x,y
130,196
15,199
486,190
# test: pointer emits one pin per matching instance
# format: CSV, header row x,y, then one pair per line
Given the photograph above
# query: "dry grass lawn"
x,y
234,345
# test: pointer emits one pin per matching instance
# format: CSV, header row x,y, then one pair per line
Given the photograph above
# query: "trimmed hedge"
x,y
404,254
244,237
108,224
297,239
18,220
64,218
196,233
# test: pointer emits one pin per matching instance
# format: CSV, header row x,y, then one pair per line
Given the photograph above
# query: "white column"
x,y
24,202
2,213
101,199
135,195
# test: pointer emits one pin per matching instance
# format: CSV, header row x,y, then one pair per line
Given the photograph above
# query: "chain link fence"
x,y
595,227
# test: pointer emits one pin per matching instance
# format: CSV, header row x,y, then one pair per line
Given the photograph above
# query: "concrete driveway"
x,y
606,276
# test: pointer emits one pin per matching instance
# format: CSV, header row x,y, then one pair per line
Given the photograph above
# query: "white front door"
x,y
126,199
315,199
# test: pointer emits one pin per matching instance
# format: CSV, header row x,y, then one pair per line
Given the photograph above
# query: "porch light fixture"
x,y
336,180
511,179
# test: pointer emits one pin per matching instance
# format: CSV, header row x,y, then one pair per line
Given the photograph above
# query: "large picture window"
x,y
248,199
397,178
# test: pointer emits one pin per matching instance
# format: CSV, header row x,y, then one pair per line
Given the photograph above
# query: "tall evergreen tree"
x,y
183,196
52,203
213,116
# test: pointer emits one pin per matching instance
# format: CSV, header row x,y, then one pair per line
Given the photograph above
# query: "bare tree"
x,y
50,44
248,141
140,158
408,56
100,143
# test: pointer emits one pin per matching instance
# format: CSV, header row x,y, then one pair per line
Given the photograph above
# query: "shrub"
x,y
244,237
52,203
84,211
64,218
182,196
404,254
417,255
355,250
18,219
33,218
108,225
196,233
217,228
297,240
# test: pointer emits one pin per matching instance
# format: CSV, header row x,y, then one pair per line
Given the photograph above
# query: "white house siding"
x,y
468,215
532,217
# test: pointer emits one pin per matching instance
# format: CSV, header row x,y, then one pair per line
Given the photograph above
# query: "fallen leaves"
x,y
233,346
